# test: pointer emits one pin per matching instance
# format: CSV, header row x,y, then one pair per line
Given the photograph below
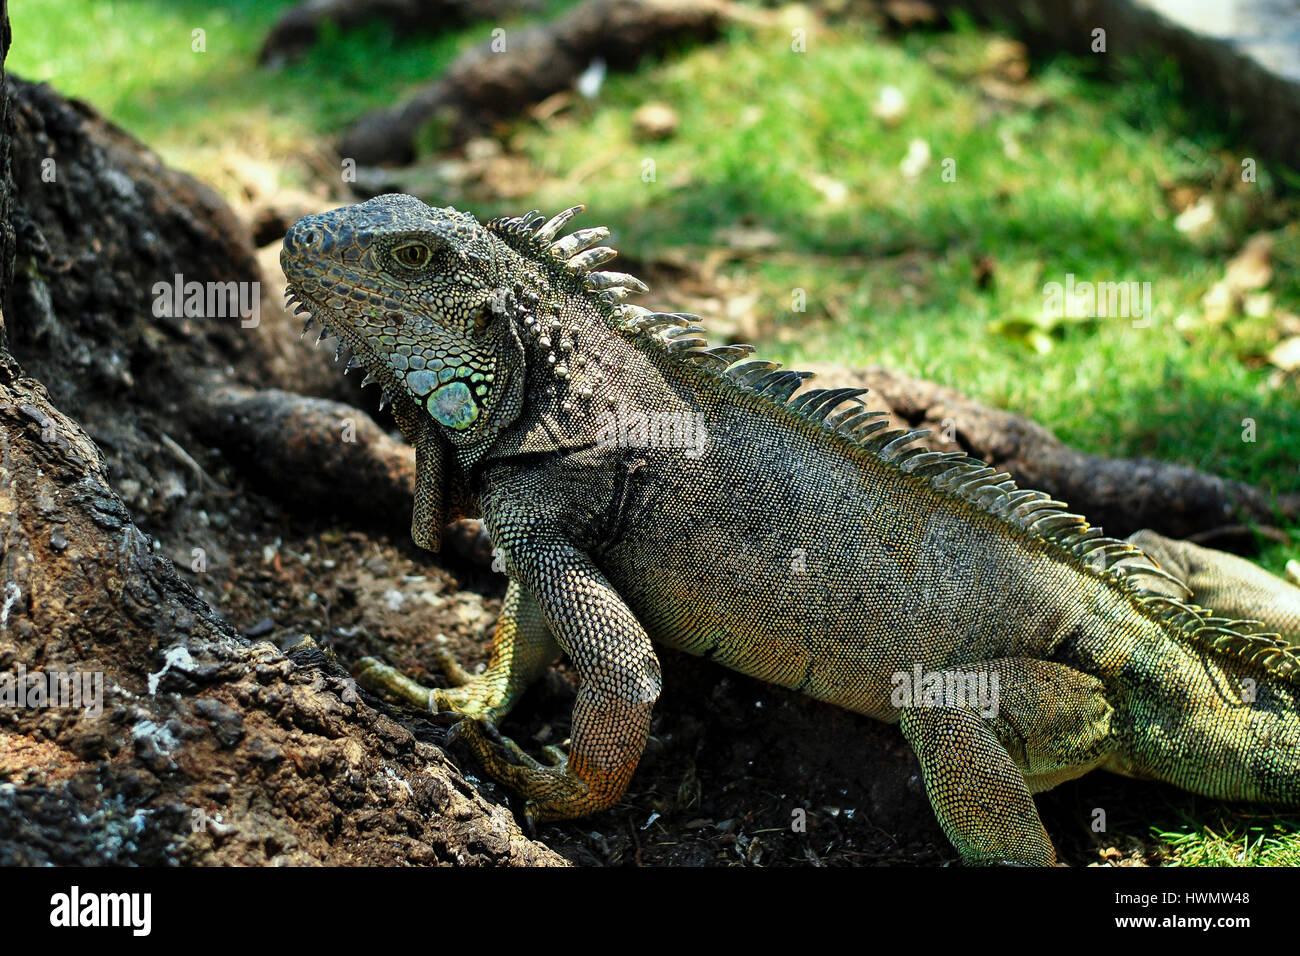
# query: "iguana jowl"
x,y
786,533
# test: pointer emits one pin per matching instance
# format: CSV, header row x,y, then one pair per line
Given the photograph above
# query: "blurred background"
x,y
794,147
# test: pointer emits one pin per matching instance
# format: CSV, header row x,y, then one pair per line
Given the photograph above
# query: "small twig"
x,y
184,457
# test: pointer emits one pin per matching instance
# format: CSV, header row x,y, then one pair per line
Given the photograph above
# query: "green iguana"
x,y
643,487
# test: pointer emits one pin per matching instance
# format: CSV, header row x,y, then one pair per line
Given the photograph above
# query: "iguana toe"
x,y
447,663
378,676
474,695
553,792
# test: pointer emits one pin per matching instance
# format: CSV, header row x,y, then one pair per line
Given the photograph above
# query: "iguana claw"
x,y
546,788
478,734
378,676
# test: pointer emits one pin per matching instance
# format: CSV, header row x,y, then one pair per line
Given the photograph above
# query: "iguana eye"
x,y
413,255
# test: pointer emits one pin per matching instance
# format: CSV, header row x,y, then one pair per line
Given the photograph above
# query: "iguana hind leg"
x,y
1047,723
522,649
1230,586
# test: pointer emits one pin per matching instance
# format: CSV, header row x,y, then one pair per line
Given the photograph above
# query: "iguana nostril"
x,y
300,238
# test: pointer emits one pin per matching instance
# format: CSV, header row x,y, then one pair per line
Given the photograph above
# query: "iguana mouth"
x,y
351,349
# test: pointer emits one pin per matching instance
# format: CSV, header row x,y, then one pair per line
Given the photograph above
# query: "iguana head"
x,y
422,298
451,317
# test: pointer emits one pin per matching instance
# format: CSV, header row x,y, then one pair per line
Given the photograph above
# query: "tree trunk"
x,y
136,724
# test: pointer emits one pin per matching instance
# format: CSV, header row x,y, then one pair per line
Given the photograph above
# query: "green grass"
x,y
1076,184
1235,839
134,61
888,272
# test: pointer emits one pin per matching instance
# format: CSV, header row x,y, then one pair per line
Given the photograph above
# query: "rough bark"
x,y
485,86
201,745
6,176
207,748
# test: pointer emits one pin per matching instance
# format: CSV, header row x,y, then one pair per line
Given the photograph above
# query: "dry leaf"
x,y
655,121
1008,59
1286,354
1248,270
832,190
746,238
917,158
890,105
1196,219
1251,268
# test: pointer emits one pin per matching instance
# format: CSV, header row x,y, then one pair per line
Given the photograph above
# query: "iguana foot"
x,y
474,695
550,792
482,695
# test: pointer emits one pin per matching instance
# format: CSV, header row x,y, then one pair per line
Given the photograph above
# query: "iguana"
x,y
642,486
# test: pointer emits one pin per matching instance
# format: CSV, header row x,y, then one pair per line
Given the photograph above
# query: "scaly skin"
x,y
643,488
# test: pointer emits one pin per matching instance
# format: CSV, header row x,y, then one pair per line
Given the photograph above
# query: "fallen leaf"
x,y
1286,354
655,121
1249,269
890,105
1026,95
1252,267
746,238
1257,304
917,158
910,13
1196,219
832,190
551,105
1008,59
1181,196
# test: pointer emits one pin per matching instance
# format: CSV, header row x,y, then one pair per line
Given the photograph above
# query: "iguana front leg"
x,y
1048,723
522,649
619,681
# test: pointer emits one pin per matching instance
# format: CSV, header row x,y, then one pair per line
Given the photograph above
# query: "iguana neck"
x,y
581,378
